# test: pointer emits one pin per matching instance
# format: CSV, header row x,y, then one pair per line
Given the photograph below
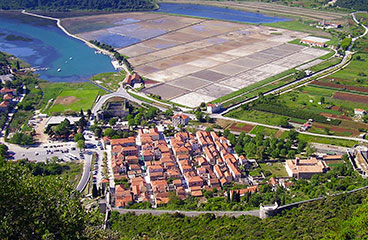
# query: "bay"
x,y
45,46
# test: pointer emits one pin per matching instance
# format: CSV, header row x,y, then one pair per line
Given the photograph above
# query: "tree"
x,y
283,122
260,152
80,144
169,113
199,115
232,139
112,121
22,139
226,133
98,132
109,132
78,136
310,150
238,149
52,210
293,135
275,153
291,154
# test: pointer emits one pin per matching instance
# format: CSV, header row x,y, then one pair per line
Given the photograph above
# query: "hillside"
x,y
341,217
60,5
358,5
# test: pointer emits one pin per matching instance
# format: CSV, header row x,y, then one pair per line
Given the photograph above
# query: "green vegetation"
x,y
326,140
300,26
68,97
110,80
263,148
345,43
117,55
355,73
52,209
263,130
59,5
274,169
331,218
309,102
326,64
358,5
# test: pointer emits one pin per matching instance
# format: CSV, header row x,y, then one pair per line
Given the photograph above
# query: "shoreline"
x,y
60,26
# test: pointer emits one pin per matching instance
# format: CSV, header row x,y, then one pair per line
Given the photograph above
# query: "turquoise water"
x,y
212,12
51,48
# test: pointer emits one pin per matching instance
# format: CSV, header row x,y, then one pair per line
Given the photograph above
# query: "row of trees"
x,y
261,147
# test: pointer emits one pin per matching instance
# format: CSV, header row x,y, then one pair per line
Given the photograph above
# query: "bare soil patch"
x,y
67,100
351,97
241,127
340,86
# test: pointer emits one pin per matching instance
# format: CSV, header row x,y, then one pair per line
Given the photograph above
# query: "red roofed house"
x,y
180,119
132,79
214,108
8,90
305,168
4,106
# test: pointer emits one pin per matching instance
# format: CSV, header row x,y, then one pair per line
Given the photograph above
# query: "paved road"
x,y
309,78
120,93
357,22
188,213
288,129
86,173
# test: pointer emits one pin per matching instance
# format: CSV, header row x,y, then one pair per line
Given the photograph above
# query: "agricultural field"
x,y
110,81
264,130
331,109
240,127
256,116
68,97
356,73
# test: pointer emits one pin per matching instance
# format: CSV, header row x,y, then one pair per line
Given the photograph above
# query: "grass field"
x,y
255,116
313,99
109,80
264,130
357,69
276,169
299,26
326,140
326,64
68,97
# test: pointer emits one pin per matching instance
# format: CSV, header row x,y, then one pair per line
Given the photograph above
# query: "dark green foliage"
x,y
361,5
345,43
310,221
22,139
38,207
43,169
61,5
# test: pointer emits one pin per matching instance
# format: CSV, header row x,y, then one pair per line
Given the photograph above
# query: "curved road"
x,y
86,173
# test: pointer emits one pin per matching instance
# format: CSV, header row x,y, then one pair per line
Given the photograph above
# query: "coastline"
x,y
114,63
